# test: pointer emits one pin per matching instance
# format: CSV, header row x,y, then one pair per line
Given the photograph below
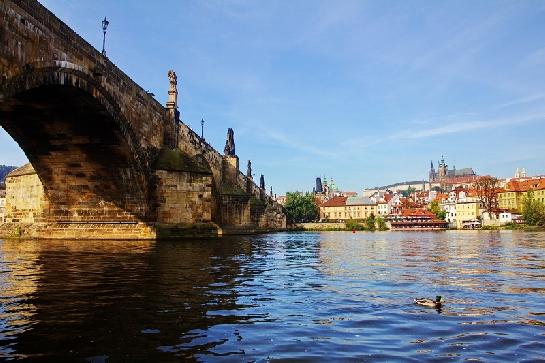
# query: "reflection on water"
x,y
308,296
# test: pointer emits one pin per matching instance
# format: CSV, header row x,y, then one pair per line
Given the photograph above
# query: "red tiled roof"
x,y
441,196
461,179
416,213
335,202
525,185
472,193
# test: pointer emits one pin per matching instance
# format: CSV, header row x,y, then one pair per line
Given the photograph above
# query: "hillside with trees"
x,y
4,170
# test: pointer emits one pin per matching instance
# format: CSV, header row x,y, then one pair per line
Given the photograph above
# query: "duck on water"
x,y
437,303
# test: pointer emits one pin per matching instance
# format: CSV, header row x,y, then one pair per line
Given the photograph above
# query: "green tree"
x,y
487,188
381,224
301,208
533,211
436,209
370,222
352,225
407,193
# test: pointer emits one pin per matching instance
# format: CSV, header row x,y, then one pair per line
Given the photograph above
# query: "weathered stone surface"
x,y
184,197
236,210
108,156
83,230
90,132
25,197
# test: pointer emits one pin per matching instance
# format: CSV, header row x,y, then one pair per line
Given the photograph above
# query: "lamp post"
x,y
202,129
105,23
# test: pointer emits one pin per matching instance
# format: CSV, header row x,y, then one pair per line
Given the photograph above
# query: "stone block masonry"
x,y
110,161
25,197
183,197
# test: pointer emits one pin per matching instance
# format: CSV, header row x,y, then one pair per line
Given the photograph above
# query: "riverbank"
x,y
514,227
331,226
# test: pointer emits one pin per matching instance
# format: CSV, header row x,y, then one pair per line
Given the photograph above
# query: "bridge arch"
x,y
83,149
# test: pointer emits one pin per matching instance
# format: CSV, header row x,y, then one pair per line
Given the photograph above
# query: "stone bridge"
x,y
113,162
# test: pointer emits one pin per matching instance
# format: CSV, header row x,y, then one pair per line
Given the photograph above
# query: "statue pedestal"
x,y
230,169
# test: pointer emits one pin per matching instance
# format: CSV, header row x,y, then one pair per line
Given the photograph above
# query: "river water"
x,y
331,296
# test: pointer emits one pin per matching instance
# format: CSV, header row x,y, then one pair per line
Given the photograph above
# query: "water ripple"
x,y
329,296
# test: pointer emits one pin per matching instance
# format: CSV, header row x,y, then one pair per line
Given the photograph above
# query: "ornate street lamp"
x,y
105,23
202,129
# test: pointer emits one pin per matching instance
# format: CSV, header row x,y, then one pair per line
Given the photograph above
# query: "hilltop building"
x,y
447,179
520,173
325,190
444,174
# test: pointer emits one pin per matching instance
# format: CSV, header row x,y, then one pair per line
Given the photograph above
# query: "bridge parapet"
x,y
34,38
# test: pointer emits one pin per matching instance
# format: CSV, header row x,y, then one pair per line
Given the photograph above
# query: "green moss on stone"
x,y
256,202
232,190
176,160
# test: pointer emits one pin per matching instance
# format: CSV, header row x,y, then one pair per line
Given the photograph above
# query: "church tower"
x,y
442,169
432,174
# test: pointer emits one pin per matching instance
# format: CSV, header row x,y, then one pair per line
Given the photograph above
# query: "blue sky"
x,y
364,92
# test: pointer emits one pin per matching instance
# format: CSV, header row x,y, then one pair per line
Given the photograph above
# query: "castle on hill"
x,y
446,175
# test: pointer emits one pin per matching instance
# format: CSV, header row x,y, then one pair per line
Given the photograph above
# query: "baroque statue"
x,y
172,90
229,149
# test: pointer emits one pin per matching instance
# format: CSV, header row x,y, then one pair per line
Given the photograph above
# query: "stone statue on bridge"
x,y
249,170
172,90
229,149
262,182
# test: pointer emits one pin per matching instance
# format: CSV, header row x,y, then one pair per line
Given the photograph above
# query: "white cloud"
x,y
296,144
468,126
534,59
520,101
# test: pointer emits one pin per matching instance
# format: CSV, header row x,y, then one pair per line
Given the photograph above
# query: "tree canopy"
x,y
533,211
436,209
407,193
370,222
301,207
487,188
